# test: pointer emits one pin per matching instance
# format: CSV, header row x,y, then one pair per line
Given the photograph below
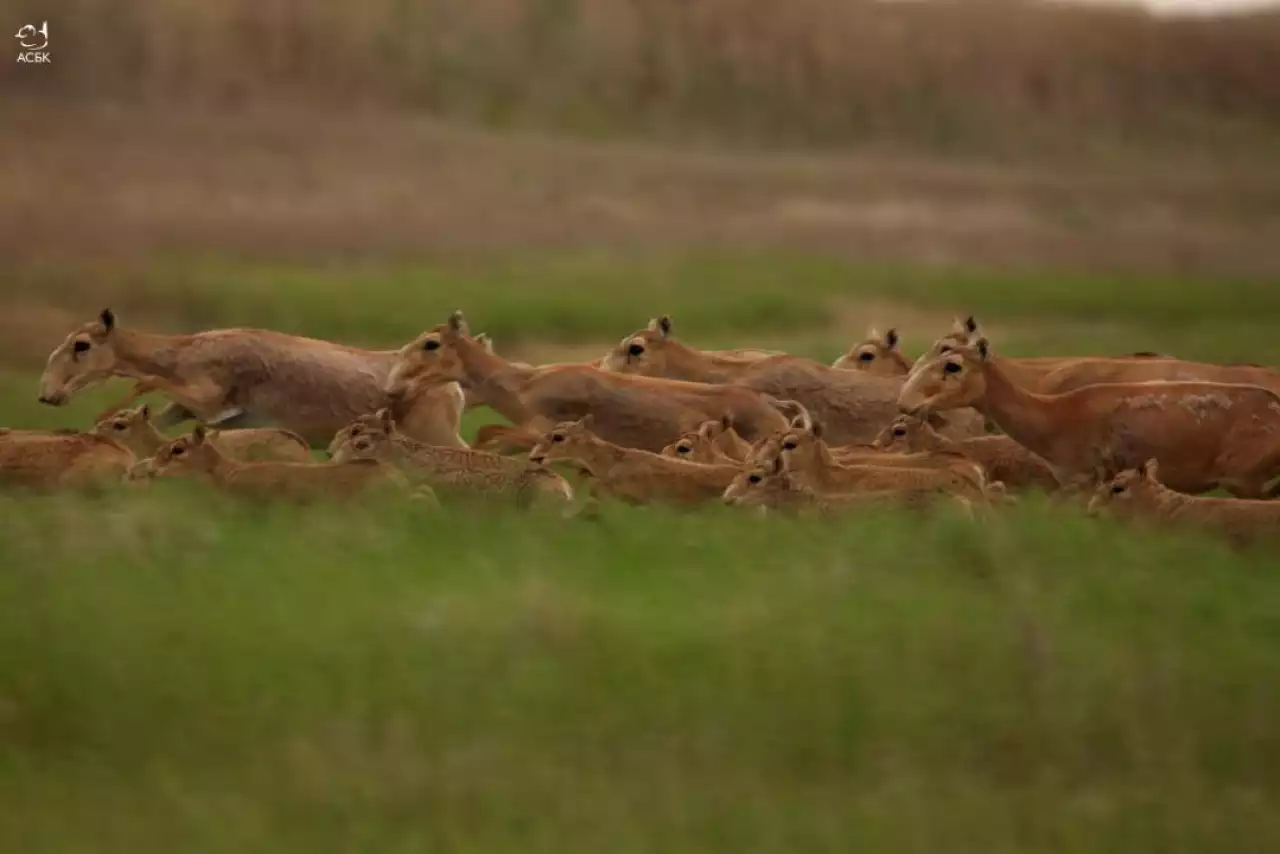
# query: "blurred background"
x,y
780,172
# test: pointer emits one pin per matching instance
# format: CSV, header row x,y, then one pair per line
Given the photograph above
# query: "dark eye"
x,y
945,348
755,478
952,368
557,438
120,426
899,431
866,357
636,349
81,346
789,446
431,345
1116,490
682,449
177,452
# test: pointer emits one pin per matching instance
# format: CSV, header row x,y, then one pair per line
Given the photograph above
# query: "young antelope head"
x,y
190,454
693,447
801,447
368,437
85,358
131,427
435,356
900,434
565,441
878,354
643,352
953,380
757,479
1121,493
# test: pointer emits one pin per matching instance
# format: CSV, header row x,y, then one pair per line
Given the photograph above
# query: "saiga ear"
x,y
458,323
384,417
198,435
891,339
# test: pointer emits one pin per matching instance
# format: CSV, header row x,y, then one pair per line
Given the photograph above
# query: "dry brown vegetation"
x,y
994,72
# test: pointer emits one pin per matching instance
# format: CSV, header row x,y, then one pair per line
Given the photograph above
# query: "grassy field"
x,y
180,673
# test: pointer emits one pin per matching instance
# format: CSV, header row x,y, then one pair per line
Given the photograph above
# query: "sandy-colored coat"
x,y
854,405
306,385
768,484
877,354
715,441
1084,372
630,474
1139,494
1034,372
807,456
39,460
377,437
637,412
134,429
1001,457
1205,435
192,455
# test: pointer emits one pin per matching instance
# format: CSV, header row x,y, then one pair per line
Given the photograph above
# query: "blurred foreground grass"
x,y
178,673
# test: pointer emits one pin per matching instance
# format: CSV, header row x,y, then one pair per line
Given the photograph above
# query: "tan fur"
x,y
768,484
1204,434
1139,494
50,460
1083,372
135,429
853,404
807,456
630,474
1003,459
877,354
631,411
377,437
1033,372
650,346
192,455
309,386
715,441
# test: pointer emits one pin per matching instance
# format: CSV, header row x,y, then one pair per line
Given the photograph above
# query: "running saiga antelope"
x,y
637,412
1205,435
228,377
377,437
1138,494
193,456
854,405
134,429
61,459
630,474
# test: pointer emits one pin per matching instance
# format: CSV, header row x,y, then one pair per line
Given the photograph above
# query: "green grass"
x,y
185,674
